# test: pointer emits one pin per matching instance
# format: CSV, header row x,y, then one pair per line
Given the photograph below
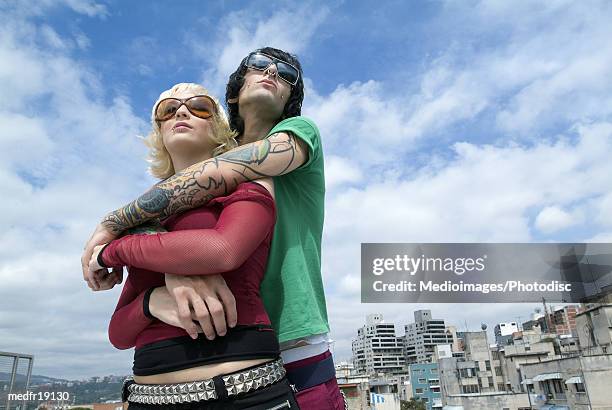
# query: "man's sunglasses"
x,y
202,106
260,61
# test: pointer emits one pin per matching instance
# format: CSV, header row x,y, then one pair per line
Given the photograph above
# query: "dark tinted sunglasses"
x,y
260,61
202,106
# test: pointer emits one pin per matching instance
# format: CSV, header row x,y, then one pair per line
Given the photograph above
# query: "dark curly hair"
x,y
293,107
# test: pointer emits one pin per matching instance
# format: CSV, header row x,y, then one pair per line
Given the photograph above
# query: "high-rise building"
x,y
377,349
423,335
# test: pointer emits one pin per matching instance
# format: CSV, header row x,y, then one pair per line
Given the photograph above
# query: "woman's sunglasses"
x,y
260,61
202,106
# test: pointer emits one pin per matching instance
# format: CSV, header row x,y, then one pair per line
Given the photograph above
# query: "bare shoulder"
x,y
267,183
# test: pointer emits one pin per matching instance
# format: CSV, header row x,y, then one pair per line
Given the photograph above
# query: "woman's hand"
x,y
163,307
106,280
100,236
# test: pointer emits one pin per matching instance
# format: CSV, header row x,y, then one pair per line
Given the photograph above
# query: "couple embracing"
x,y
224,300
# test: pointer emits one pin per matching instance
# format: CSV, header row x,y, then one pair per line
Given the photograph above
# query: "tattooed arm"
x,y
278,154
195,186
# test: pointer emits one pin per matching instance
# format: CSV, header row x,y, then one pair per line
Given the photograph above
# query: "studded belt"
x,y
211,389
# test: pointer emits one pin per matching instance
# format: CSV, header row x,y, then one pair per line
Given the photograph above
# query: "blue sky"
x,y
445,121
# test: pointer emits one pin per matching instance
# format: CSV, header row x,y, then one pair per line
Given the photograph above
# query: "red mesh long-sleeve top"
x,y
231,235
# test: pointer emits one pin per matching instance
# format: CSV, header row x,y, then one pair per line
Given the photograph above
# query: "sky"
x,y
441,121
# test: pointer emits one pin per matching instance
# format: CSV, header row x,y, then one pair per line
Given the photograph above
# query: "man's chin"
x,y
264,99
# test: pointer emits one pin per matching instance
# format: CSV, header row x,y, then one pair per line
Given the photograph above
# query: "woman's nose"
x,y
182,111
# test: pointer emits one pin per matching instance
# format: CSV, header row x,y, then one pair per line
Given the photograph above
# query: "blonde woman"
x,y
173,368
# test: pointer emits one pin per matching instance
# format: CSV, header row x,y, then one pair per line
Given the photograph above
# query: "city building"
x,y
423,335
594,329
527,346
579,383
377,349
561,320
425,382
488,401
503,332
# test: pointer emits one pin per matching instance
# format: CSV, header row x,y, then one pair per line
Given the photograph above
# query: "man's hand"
x,y
163,307
100,236
107,280
213,304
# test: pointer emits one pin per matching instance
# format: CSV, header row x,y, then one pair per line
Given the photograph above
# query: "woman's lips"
x,y
181,125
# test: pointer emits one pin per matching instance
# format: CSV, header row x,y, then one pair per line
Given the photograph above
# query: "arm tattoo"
x,y
199,183
149,228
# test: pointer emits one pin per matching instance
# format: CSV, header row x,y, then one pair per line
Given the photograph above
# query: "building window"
x,y
501,387
472,388
488,364
557,386
422,381
418,390
498,371
580,388
546,387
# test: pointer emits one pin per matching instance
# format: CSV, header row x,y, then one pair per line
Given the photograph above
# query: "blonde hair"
x,y
159,158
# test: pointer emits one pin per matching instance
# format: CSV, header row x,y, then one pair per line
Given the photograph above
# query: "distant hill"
x,y
38,379
34,381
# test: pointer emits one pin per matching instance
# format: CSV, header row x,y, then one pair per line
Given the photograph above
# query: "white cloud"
x,y
339,171
62,140
19,10
552,219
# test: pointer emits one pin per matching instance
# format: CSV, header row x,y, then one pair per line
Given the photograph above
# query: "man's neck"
x,y
256,128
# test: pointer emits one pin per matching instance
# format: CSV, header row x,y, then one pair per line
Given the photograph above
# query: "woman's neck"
x,y
180,162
